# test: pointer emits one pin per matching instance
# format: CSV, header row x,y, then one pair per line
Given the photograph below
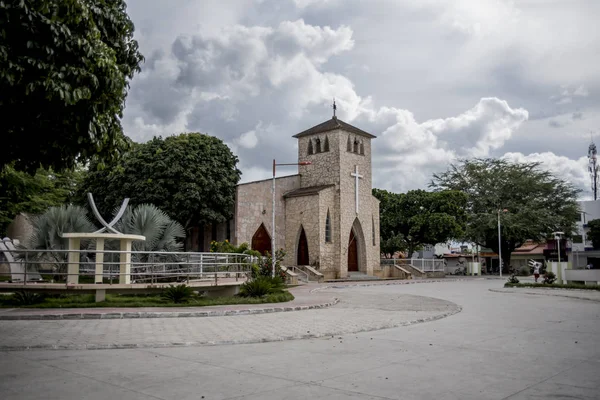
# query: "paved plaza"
x,y
477,344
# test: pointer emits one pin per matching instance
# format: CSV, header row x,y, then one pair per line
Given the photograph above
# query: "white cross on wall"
x,y
356,176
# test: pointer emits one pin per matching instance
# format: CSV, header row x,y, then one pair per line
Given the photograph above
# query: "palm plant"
x,y
47,231
161,232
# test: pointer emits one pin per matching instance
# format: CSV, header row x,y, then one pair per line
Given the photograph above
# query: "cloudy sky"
x,y
435,80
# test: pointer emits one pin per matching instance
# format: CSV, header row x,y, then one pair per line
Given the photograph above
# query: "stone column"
x,y
125,262
99,260
74,257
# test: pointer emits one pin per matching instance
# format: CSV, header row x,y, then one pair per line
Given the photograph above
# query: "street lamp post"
x,y
273,226
500,242
557,237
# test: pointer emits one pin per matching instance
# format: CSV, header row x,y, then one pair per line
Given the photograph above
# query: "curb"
x,y
220,313
166,314
403,282
227,342
516,290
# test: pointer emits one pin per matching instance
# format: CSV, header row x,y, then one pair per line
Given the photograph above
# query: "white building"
x,y
580,250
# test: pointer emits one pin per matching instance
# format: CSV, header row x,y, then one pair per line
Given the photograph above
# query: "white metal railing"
x,y
422,264
428,265
28,265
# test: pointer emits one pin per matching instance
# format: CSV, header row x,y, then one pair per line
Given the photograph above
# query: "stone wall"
x,y
325,167
302,212
329,251
254,206
368,206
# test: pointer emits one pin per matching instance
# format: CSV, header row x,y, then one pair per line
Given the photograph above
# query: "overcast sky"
x,y
434,80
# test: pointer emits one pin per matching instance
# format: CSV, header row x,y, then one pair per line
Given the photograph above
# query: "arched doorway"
x,y
302,253
261,241
352,253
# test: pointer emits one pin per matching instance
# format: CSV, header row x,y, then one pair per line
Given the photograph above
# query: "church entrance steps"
x,y
357,276
416,272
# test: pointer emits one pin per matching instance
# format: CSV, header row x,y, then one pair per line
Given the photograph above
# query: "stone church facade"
x,y
318,221
326,216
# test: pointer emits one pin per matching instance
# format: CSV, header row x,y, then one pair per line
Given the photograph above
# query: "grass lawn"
x,y
85,301
554,285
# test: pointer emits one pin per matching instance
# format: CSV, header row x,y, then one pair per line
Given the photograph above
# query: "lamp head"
x,y
305,163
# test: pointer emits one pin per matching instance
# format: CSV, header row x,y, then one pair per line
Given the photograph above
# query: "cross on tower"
x,y
356,176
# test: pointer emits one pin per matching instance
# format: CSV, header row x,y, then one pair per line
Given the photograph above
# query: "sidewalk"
x,y
581,294
360,309
306,298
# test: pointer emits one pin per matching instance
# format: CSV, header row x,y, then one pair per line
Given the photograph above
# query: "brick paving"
x,y
358,310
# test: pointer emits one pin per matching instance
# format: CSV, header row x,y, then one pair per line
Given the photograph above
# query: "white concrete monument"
x,y
99,236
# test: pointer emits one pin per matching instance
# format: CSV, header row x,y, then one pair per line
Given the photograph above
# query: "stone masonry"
x,y
325,187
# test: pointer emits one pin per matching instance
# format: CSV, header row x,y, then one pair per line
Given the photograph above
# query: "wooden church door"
x,y
352,253
261,241
302,257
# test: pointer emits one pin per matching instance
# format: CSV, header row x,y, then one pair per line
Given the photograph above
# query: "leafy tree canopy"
x,y
33,194
192,177
64,73
536,202
594,232
410,220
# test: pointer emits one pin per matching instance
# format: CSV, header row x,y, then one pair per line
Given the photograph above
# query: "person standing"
x,y
536,271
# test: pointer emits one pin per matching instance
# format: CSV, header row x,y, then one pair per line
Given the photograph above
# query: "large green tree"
x,y
413,219
192,177
64,72
536,202
21,192
594,232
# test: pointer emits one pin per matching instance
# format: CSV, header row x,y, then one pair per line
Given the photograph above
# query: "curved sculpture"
x,y
107,226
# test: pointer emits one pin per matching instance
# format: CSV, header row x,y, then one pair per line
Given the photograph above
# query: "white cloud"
x,y
581,91
484,127
567,94
435,80
573,171
309,3
420,149
248,140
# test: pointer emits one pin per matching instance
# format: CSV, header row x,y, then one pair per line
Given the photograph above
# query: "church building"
x,y
325,216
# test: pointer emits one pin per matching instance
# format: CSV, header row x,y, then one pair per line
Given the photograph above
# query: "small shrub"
x,y
26,298
255,271
549,278
513,279
524,271
177,294
265,264
277,284
258,287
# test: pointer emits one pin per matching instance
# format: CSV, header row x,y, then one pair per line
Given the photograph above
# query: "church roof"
x,y
332,124
307,191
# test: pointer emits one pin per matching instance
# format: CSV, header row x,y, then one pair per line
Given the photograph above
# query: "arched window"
x,y
318,141
356,145
310,147
328,228
349,145
362,148
326,147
